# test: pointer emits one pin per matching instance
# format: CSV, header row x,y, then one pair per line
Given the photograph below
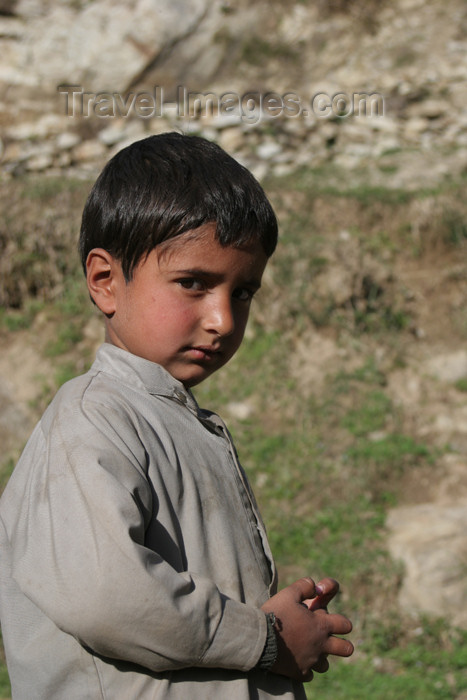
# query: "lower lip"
x,y
198,354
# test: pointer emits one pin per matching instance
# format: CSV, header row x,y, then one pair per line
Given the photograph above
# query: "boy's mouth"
x,y
203,352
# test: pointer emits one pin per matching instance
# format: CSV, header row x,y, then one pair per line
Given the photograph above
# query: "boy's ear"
x,y
103,274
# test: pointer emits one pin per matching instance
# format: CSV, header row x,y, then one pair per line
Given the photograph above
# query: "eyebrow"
x,y
200,272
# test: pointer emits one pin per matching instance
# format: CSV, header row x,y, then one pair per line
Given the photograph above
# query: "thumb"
x,y
303,588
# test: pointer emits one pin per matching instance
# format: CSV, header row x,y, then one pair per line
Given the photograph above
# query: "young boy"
x,y
134,563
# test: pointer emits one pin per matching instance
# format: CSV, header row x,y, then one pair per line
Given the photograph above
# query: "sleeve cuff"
x,y
240,638
269,656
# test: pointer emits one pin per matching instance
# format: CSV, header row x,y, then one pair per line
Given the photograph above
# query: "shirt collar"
x,y
135,370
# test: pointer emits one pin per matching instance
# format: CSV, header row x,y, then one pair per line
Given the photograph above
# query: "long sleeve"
x,y
84,562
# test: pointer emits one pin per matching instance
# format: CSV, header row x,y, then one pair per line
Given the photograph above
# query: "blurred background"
x,y
348,400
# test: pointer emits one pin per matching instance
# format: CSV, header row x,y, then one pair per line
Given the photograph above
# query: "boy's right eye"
x,y
192,283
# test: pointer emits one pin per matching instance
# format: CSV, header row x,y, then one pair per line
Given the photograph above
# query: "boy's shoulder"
x,y
115,371
83,386
117,382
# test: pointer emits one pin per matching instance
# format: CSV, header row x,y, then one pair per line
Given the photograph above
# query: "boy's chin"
x,y
193,381
193,378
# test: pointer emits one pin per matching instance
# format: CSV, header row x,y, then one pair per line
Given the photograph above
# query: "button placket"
x,y
258,525
181,396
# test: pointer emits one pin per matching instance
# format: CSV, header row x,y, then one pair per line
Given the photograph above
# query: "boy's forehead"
x,y
195,239
202,243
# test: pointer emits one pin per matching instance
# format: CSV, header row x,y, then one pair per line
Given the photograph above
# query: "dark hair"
x,y
166,185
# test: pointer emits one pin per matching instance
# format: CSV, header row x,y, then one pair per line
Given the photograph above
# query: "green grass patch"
x,y
363,680
370,416
392,450
5,688
68,335
6,469
369,373
343,540
20,319
327,180
395,662
461,384
47,189
375,319
455,226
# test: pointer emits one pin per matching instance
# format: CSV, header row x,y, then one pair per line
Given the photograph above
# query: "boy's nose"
x,y
219,316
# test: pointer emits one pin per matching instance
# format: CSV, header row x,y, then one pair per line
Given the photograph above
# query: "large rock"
x,y
431,542
101,46
448,367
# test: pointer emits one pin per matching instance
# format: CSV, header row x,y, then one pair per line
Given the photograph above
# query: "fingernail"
x,y
319,590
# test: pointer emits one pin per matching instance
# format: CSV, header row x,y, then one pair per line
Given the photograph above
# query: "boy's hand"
x,y
325,591
305,630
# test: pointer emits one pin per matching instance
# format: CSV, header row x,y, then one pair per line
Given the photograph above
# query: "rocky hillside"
x,y
66,102
361,96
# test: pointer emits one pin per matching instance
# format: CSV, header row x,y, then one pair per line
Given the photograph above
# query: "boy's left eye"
x,y
194,284
243,294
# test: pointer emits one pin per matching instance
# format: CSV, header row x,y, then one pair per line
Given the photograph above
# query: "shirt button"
x,y
180,396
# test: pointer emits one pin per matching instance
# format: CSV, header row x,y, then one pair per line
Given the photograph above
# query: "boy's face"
x,y
187,304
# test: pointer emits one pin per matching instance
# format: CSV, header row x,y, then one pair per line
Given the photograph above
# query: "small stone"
x,y
158,125
22,131
347,161
260,170
224,121
47,125
384,124
231,139
12,153
89,150
67,140
432,109
40,162
414,127
111,135
64,159
239,409
268,149
283,169
296,126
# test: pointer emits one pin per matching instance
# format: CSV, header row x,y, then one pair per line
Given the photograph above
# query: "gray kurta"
x,y
133,558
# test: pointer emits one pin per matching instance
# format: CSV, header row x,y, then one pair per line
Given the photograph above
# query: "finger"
x,y
315,603
329,585
339,647
329,588
306,677
304,588
339,624
322,665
